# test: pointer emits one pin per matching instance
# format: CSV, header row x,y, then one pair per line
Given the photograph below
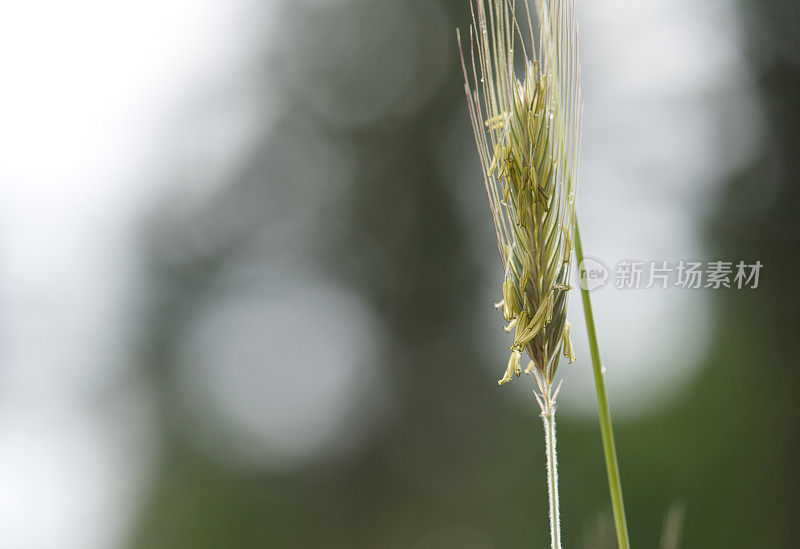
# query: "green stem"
x,y
606,430
549,421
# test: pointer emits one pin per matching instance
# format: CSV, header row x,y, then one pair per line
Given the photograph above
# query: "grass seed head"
x,y
527,131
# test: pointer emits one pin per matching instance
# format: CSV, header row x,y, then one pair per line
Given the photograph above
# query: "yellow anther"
x,y
530,367
569,352
496,122
512,369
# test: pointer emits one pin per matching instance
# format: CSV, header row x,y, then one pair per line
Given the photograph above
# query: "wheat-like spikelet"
x,y
527,130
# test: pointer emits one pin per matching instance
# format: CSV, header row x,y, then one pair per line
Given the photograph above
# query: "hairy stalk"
x,y
549,421
606,430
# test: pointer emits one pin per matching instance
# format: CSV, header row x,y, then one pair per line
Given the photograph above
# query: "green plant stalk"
x,y
549,421
606,430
